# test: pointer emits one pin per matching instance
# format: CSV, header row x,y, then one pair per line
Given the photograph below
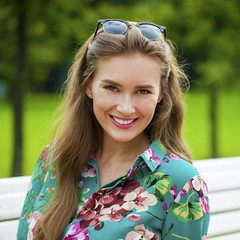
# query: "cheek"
x,y
101,105
147,108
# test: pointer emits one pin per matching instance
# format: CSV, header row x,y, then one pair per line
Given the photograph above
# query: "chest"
x,y
127,207
109,172
126,210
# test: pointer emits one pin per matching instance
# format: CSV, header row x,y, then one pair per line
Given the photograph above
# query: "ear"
x,y
160,97
88,90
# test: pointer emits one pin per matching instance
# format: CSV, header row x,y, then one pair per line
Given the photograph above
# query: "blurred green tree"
x,y
207,30
40,36
206,33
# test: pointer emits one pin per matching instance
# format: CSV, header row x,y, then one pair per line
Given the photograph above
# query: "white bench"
x,y
221,175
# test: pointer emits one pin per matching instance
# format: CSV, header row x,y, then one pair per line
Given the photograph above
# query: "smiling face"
x,y
125,91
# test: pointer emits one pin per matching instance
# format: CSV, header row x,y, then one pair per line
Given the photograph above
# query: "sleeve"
x,y
188,216
37,182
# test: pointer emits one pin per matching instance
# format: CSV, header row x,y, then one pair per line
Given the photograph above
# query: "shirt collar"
x,y
152,156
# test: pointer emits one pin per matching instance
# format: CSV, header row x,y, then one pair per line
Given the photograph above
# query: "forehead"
x,y
134,67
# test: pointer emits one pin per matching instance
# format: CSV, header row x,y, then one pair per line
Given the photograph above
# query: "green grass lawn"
x,y
38,117
197,124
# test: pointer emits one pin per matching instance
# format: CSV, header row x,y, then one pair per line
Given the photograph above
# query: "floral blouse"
x,y
160,197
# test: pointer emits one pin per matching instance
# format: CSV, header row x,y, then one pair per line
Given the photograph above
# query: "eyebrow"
x,y
111,82
148,86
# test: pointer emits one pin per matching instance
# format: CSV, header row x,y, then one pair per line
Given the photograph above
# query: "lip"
x,y
123,126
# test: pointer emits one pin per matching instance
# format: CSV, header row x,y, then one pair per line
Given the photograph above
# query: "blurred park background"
x,y
38,42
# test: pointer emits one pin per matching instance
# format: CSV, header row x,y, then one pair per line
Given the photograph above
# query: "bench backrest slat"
x,y
11,205
220,174
222,202
14,184
8,230
224,223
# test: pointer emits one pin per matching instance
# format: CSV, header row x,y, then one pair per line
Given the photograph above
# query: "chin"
x,y
124,138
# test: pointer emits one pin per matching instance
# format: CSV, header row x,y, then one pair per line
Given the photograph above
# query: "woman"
x,y
118,167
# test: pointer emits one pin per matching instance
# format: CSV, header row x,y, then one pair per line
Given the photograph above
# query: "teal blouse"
x,y
160,197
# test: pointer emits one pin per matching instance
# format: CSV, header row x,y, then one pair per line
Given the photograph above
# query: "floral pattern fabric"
x,y
160,197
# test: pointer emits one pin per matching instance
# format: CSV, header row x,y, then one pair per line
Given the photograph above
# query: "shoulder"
x,y
43,168
44,158
179,170
45,154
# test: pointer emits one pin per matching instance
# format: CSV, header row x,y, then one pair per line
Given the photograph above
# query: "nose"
x,y
126,105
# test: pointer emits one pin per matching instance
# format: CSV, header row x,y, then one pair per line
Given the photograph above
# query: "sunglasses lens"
x,y
115,27
150,31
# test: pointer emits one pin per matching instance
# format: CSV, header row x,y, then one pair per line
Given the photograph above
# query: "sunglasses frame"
x,y
102,21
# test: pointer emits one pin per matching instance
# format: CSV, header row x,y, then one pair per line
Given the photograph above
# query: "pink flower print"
x,y
132,171
188,186
199,185
86,212
173,191
80,184
165,160
165,208
89,214
134,217
40,196
175,194
87,221
29,217
53,175
204,204
139,199
128,185
204,237
196,183
149,154
48,190
94,158
76,233
105,197
44,154
172,156
89,171
141,233
24,215
33,224
111,214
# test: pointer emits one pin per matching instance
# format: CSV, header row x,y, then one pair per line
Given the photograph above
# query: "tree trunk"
x,y
18,88
213,120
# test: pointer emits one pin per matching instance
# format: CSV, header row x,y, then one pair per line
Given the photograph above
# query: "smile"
x,y
123,123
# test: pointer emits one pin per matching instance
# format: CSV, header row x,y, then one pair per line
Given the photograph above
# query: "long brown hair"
x,y
78,132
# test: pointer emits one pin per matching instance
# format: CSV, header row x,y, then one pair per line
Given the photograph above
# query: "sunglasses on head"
x,y
117,26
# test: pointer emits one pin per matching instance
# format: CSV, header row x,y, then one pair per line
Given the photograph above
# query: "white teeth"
x,y
123,122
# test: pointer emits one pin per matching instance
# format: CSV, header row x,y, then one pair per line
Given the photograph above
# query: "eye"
x,y
143,91
111,88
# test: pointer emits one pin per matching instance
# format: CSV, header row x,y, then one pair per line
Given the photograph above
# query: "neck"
x,y
126,151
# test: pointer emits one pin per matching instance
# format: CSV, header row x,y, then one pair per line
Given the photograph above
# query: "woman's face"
x,y
125,91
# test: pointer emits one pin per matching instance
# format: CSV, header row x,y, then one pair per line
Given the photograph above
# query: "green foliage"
x,y
188,211
206,33
161,185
